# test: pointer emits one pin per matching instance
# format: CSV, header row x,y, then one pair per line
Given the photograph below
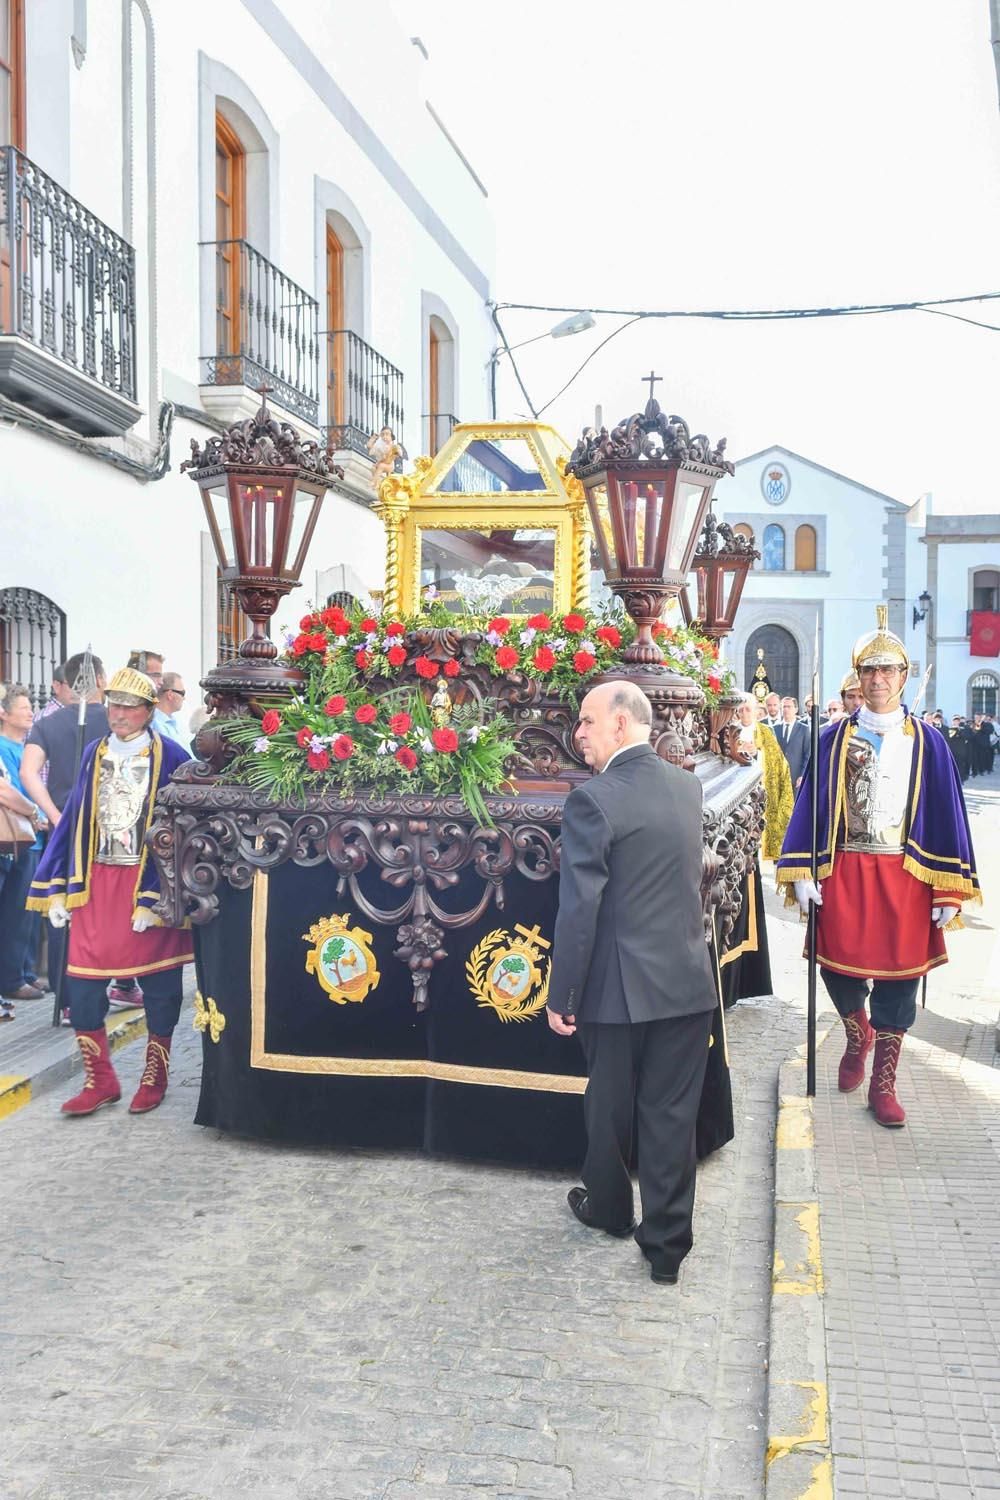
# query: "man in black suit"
x,y
631,974
793,737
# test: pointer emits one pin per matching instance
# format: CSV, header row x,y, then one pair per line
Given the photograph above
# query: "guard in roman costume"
x,y
894,859
97,871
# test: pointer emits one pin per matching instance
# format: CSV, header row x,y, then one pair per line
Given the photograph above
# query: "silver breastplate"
x,y
877,786
121,797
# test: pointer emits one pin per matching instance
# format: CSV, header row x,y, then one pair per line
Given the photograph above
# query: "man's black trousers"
x,y
645,1077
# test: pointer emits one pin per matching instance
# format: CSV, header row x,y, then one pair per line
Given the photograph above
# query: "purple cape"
x,y
938,845
64,868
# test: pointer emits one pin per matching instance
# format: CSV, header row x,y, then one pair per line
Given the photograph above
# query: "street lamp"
x,y
262,487
649,484
720,565
921,608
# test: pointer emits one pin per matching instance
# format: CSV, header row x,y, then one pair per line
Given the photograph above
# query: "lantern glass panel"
x,y
687,503
300,532
600,516
642,508
216,502
260,515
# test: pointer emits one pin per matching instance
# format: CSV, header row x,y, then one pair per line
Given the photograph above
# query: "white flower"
x,y
371,640
426,745
387,747
318,742
260,746
559,644
494,637
430,592
289,640
474,731
587,646
527,636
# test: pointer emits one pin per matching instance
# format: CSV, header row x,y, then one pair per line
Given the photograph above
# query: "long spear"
x,y
813,871
916,704
84,685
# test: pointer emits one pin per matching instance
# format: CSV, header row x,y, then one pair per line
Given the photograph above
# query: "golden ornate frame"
x,y
412,503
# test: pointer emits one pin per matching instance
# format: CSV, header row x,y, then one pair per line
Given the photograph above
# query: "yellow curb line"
x,y
816,1427
16,1090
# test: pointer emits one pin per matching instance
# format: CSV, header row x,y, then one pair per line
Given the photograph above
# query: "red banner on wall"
x,y
984,637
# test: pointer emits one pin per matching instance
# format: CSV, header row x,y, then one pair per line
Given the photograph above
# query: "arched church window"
x,y
773,549
984,688
805,549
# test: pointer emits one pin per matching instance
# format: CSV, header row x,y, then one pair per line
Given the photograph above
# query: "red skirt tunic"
x,y
102,944
875,921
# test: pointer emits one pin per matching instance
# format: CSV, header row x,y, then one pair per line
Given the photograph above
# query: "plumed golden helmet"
x,y
879,647
850,684
131,689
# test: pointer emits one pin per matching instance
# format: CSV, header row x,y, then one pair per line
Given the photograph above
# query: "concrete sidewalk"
x,y
36,1056
885,1357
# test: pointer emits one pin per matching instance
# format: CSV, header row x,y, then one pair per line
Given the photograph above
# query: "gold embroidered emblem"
x,y
208,1017
505,973
342,959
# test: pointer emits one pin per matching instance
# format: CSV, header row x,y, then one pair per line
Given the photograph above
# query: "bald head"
x,y
613,716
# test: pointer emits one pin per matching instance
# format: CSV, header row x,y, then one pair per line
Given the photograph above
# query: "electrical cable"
x,y
513,362
600,346
750,314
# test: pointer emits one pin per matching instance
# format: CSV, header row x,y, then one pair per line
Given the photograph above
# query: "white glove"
x,y
806,891
58,914
142,921
942,915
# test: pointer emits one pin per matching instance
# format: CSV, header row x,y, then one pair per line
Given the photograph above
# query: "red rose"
x,y
271,722
335,705
300,645
331,617
506,658
395,628
366,714
451,668
573,624
303,737
343,747
407,758
318,760
396,656
714,682
341,626
369,625
584,661
362,660
540,622
424,667
500,625
308,622
610,634
400,724
444,740
317,642
545,659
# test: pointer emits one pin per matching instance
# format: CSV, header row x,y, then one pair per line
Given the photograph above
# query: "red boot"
x,y
860,1041
153,1083
101,1084
882,1099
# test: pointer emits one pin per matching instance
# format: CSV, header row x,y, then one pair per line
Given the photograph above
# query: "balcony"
x,y
365,394
266,332
67,305
439,428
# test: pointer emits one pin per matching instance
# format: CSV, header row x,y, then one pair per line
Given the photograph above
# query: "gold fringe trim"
x,y
940,881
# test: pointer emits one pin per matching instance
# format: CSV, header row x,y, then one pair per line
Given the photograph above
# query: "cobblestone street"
x,y
191,1315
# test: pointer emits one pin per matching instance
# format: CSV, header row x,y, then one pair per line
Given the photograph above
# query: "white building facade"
x,y
196,200
832,550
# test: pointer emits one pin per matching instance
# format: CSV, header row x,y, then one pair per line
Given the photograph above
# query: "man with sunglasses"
x,y
894,863
169,702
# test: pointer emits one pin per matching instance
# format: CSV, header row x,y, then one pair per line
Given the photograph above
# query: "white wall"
x,y
956,563
342,91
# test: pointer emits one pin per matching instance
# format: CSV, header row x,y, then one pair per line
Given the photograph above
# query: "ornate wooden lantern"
x,y
262,487
649,484
720,565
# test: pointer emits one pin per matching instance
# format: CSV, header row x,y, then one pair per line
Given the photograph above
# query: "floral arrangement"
x,y
348,728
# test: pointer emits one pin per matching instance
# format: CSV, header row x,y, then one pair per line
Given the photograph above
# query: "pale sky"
x,y
744,154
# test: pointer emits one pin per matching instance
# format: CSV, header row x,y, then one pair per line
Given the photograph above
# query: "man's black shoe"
x,y
663,1278
579,1201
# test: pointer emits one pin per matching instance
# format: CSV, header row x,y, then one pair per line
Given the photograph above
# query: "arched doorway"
x,y
781,659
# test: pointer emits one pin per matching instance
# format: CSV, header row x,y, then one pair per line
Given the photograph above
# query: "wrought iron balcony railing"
x,y
67,288
440,426
266,328
365,393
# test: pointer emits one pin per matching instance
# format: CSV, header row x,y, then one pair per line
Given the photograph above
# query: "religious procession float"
x,y
367,848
